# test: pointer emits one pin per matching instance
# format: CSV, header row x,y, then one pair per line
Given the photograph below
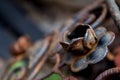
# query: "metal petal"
x,y
100,32
65,45
97,55
79,64
68,58
89,38
107,39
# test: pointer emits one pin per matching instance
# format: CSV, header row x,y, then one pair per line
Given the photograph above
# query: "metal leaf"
x,y
107,39
100,32
79,64
97,55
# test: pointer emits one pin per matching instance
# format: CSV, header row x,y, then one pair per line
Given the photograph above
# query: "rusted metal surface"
x,y
108,73
79,46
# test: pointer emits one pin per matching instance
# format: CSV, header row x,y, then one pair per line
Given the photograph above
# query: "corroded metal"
x,y
87,46
82,44
108,73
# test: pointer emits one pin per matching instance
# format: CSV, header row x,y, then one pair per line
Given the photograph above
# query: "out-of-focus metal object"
x,y
107,74
17,65
115,12
19,47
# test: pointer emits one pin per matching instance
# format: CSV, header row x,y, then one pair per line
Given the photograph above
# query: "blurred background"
x,y
35,18
38,18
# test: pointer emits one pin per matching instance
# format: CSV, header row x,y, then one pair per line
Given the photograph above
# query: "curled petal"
x,y
89,38
107,39
100,32
65,45
79,64
97,55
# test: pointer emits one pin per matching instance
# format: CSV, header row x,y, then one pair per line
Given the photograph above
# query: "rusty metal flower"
x,y
85,46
